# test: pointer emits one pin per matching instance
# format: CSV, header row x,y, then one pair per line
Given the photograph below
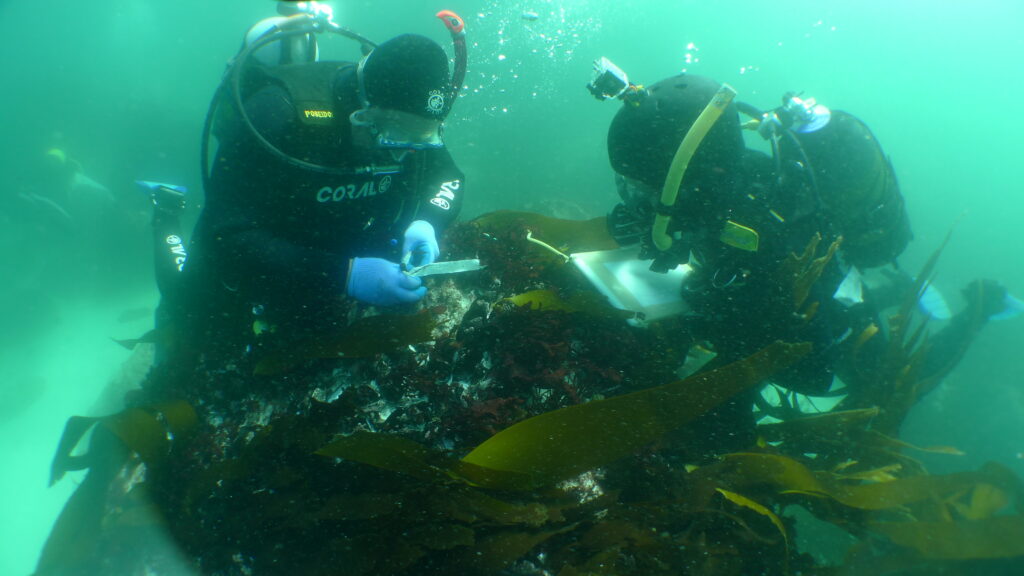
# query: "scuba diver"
x,y
735,214
70,218
693,193
75,195
329,179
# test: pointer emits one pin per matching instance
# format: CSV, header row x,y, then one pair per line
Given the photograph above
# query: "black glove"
x,y
985,297
626,226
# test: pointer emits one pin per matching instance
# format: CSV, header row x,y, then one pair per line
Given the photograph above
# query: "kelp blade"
x,y
408,457
790,476
365,337
145,430
588,303
836,424
63,460
564,443
148,431
741,500
392,453
996,537
567,235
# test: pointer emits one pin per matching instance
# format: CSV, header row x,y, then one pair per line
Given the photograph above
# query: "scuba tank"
x,y
857,188
851,180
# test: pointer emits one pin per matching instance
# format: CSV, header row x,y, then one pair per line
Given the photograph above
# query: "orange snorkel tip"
x,y
452,21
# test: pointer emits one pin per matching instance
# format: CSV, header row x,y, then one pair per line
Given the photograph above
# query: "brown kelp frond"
x,y
986,538
557,445
583,302
929,495
800,272
365,337
567,235
499,240
908,368
745,502
147,431
389,453
899,327
150,432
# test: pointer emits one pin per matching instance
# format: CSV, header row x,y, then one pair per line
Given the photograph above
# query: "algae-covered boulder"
x,y
510,424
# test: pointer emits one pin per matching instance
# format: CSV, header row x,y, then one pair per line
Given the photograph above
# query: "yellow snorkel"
x,y
700,128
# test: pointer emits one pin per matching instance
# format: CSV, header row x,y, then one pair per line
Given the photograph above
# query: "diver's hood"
x,y
644,136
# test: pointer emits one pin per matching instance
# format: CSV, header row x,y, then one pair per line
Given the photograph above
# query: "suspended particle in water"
x,y
690,56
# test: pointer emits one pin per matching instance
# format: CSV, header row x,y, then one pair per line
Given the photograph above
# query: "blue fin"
x,y
933,303
1013,307
150,186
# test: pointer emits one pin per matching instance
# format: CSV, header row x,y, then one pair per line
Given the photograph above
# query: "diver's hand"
x,y
986,298
420,245
626,227
382,283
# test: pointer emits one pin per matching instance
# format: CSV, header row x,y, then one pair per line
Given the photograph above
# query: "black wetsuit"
x,y
743,303
275,237
739,303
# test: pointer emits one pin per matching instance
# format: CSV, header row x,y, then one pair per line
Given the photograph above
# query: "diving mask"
x,y
395,129
636,194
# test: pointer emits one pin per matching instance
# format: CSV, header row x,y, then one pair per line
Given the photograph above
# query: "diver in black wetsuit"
x,y
740,213
735,215
328,179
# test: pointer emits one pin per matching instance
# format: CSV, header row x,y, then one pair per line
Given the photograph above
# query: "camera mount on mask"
x,y
610,81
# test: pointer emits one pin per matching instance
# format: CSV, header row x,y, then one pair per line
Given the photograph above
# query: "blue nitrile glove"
x,y
420,245
382,283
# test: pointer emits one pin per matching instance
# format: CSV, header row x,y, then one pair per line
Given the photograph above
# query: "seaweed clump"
x,y
516,426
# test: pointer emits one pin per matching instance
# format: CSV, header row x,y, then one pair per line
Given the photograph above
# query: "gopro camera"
x,y
609,80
